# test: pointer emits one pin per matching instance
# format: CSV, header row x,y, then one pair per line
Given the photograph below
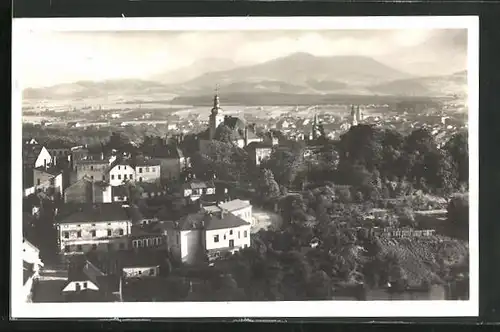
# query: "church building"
x,y
241,134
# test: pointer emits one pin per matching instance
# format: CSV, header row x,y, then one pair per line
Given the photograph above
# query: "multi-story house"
x,y
194,189
46,178
259,151
147,170
238,207
95,170
172,161
59,150
93,227
203,234
86,190
31,267
120,171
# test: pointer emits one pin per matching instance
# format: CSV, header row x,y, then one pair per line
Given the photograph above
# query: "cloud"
x,y
72,56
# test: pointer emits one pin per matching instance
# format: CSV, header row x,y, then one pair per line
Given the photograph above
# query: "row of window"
x,y
216,237
131,176
92,233
151,272
147,169
79,247
147,242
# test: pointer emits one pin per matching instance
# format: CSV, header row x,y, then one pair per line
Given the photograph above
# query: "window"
x,y
140,244
125,176
134,244
152,169
118,167
147,169
224,236
92,233
109,232
103,177
94,246
131,176
77,287
231,232
216,238
79,247
140,272
140,179
38,182
120,231
85,284
119,176
92,177
140,169
151,272
178,238
79,234
66,235
66,248
91,168
245,233
112,176
239,233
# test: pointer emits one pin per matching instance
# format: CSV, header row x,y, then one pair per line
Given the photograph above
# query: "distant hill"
x,y
194,70
447,85
306,70
86,89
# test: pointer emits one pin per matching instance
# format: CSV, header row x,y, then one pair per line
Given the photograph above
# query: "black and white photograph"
x,y
245,167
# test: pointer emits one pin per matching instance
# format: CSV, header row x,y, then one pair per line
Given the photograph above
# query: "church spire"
x,y
216,98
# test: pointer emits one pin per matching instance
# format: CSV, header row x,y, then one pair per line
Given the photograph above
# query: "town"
x,y
367,205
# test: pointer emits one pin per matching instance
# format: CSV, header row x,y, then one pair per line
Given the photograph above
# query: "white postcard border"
x,y
469,308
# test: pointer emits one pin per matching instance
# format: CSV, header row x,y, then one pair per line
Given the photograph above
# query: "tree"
x,y
458,214
286,163
458,148
225,134
267,185
320,286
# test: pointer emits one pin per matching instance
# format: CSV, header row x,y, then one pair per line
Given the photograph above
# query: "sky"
x,y
49,58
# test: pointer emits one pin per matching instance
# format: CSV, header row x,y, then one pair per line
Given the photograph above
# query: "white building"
x,y
238,207
203,234
120,172
147,170
31,267
35,155
88,227
93,169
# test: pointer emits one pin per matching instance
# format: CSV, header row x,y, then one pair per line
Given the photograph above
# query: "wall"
x,y
101,194
116,175
238,236
245,213
93,171
173,243
148,173
261,154
79,192
101,240
71,287
170,168
141,272
44,158
190,245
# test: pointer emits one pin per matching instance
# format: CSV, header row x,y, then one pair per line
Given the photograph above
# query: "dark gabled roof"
x,y
196,184
140,162
31,152
150,187
94,161
49,170
94,213
58,144
226,220
138,259
165,151
82,271
259,145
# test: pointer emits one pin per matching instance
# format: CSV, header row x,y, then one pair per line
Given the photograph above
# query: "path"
x,y
263,219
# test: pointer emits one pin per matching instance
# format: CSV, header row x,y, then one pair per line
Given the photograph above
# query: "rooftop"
x,y
234,205
85,213
138,162
49,170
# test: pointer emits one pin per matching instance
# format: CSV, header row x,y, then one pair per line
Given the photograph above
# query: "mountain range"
x,y
298,73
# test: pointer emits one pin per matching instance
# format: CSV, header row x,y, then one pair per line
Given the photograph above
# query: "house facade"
x,y
195,189
87,191
119,172
31,267
148,170
46,178
94,227
95,170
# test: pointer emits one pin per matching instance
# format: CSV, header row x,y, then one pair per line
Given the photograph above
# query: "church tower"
x,y
216,116
315,127
354,117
